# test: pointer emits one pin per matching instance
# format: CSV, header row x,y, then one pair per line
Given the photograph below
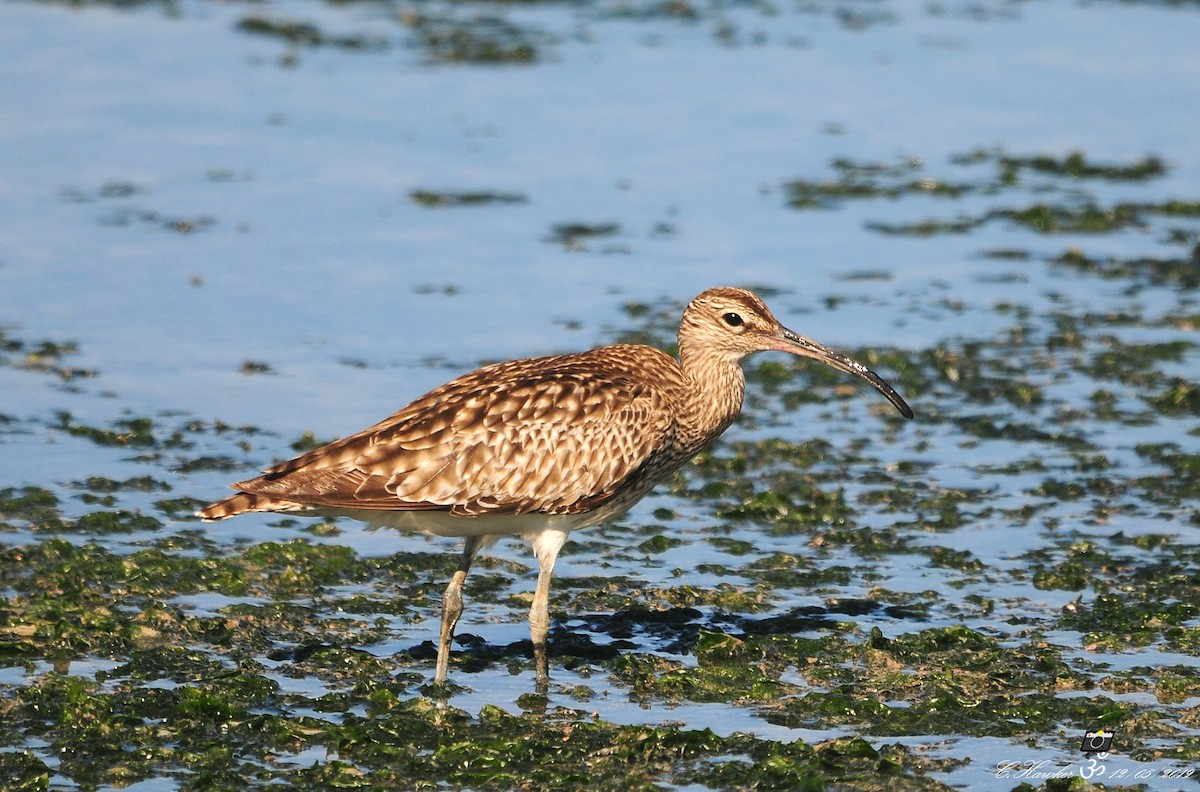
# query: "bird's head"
x,y
731,323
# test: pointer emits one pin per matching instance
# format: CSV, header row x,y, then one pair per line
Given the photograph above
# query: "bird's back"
x,y
566,434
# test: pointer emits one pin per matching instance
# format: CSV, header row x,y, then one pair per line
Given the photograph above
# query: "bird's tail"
x,y
237,504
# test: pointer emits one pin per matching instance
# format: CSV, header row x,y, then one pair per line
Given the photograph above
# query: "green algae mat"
x,y
835,587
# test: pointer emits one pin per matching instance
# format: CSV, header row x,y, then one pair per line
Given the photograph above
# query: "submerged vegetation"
x,y
1030,177
274,663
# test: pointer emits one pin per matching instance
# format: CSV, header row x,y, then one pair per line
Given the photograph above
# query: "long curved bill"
x,y
796,344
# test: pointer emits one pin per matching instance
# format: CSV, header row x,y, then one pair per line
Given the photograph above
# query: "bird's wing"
x,y
552,435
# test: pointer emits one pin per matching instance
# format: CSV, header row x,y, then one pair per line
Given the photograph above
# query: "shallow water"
x,y
214,238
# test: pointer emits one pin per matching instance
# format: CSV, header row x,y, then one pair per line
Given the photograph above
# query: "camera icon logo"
x,y
1097,741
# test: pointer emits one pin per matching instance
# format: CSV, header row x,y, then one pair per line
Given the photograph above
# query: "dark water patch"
x,y
307,34
1182,272
220,427
116,195
477,39
859,181
645,10
444,289
1085,218
107,191
903,177
104,484
222,464
255,367
1000,277
574,236
1077,166
307,442
43,357
228,175
1060,219
126,432
1006,254
568,648
443,198
164,442
677,630
443,35
992,174
130,215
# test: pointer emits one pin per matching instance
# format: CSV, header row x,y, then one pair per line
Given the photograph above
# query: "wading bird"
x,y
540,447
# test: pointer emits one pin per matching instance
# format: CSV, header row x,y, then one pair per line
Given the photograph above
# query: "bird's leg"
x,y
539,624
545,546
452,606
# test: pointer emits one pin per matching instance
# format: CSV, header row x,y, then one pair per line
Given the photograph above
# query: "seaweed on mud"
x,y
308,34
443,198
481,39
1076,211
45,357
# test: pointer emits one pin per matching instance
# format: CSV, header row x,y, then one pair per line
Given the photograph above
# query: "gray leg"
x,y
539,624
545,546
452,606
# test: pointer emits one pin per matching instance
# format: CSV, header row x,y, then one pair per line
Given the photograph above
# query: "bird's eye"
x,y
733,320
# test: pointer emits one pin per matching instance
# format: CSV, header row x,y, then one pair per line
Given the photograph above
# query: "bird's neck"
x,y
715,387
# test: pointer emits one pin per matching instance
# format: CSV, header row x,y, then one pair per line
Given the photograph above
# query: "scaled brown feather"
x,y
557,435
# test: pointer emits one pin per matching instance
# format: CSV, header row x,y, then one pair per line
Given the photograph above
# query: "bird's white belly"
x,y
440,523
